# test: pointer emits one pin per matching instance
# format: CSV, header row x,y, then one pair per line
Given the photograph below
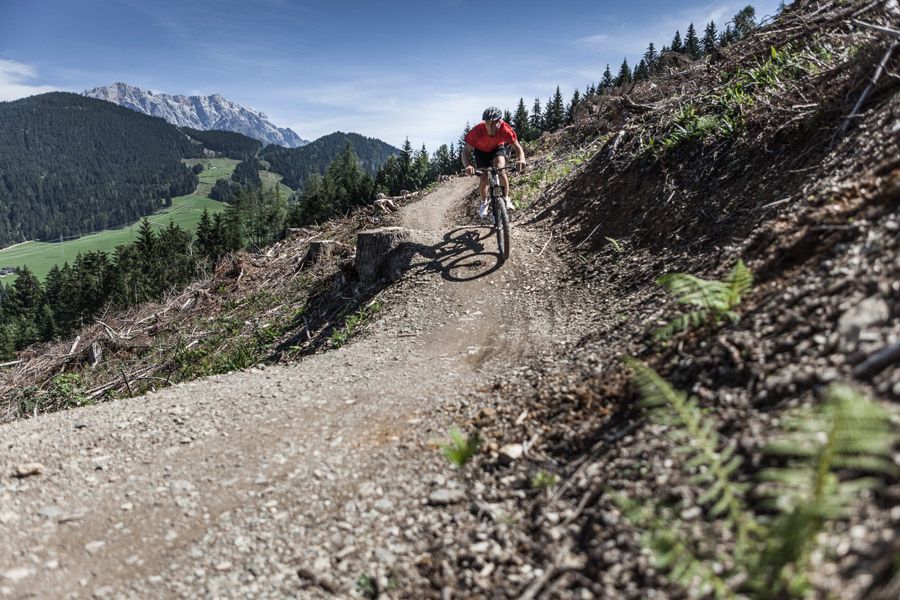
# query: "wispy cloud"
x,y
593,41
14,81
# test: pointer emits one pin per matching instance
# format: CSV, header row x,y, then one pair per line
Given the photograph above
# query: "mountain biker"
x,y
489,141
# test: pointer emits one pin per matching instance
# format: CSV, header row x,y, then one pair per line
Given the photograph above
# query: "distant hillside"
x,y
71,165
199,112
230,144
299,163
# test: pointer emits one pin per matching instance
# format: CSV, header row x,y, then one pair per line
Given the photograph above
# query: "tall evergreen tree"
x,y
606,83
710,39
650,56
692,43
624,76
727,36
641,72
573,105
745,21
536,122
555,113
677,45
507,116
462,142
520,121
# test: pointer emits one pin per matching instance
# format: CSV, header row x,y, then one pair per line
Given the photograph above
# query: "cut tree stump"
x,y
320,249
379,253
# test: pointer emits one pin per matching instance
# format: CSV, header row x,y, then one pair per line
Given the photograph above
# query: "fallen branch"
x,y
881,28
589,235
862,98
547,244
877,362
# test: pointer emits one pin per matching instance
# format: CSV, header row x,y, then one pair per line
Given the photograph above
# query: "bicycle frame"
x,y
498,208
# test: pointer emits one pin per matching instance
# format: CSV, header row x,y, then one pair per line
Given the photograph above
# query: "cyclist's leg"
x,y
483,161
498,159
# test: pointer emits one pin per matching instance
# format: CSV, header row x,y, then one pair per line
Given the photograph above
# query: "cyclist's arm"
x,y
466,153
521,151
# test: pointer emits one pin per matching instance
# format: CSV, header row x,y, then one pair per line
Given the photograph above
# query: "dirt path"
x,y
230,486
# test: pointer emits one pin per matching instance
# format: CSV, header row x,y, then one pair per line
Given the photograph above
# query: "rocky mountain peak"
x,y
199,112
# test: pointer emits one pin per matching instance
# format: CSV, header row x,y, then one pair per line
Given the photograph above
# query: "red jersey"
x,y
478,137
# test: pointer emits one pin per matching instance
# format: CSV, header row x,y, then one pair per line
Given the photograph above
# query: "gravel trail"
x,y
308,480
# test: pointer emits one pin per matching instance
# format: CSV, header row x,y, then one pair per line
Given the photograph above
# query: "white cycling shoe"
x,y
483,208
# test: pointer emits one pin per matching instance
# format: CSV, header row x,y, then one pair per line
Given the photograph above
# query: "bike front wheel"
x,y
501,225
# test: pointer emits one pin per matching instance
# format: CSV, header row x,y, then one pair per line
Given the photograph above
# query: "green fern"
x,y
665,537
695,436
712,299
848,433
461,448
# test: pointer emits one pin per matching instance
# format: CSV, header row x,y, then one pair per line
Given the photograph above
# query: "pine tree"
x,y
573,105
727,36
203,243
745,21
520,121
422,175
406,163
606,84
650,56
710,38
641,72
443,162
555,114
536,122
692,42
624,76
507,116
677,45
462,143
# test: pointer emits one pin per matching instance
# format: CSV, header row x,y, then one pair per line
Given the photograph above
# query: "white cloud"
x,y
593,41
14,77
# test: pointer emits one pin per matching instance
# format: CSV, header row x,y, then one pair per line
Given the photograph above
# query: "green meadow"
x,y
41,256
184,212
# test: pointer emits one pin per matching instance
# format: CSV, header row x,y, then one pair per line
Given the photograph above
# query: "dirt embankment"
x,y
812,208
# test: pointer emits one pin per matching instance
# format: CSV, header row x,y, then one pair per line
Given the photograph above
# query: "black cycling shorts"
x,y
486,159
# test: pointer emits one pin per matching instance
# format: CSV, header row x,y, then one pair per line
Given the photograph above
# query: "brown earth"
x,y
228,486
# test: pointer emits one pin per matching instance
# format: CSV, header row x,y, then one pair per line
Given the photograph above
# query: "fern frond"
x,y
739,282
848,432
671,553
692,427
713,299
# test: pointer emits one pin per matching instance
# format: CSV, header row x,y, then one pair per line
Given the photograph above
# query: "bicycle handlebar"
x,y
513,168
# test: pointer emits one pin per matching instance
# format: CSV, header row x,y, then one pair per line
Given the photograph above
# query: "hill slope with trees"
x,y
298,164
71,165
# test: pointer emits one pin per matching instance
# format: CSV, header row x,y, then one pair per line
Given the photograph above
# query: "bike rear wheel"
x,y
501,225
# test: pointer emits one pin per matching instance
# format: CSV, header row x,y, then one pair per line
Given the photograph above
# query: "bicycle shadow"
x,y
460,256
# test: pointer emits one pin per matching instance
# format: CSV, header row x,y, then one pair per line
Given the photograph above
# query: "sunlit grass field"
x,y
184,212
41,256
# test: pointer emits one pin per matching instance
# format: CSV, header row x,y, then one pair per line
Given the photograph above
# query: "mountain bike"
x,y
498,208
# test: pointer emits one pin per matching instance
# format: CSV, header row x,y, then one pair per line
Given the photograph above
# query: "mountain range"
x,y
199,112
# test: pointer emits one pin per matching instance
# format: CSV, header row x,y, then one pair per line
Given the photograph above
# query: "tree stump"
x,y
318,250
379,253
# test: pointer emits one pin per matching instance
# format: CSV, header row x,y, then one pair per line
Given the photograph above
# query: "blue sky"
x,y
388,69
